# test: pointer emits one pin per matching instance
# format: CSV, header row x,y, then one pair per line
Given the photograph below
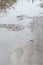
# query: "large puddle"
x,y
15,31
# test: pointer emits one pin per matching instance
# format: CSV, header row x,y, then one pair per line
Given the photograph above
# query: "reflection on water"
x,y
22,10
4,4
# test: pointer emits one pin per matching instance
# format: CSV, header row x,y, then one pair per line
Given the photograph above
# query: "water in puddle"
x,y
15,18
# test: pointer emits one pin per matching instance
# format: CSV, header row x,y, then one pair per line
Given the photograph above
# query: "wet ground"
x,y
21,32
